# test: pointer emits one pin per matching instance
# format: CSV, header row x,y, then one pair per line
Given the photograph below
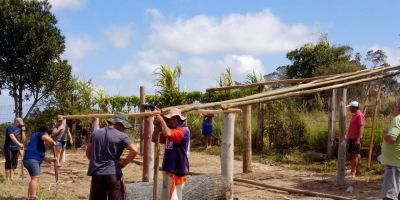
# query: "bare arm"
x,y
23,130
163,125
57,131
88,150
132,154
361,134
69,136
14,139
48,139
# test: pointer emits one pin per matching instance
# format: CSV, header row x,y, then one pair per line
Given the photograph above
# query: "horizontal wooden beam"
x,y
285,81
147,114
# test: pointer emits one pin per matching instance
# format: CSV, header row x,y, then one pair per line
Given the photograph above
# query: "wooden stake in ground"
x,y
247,139
156,140
341,171
331,123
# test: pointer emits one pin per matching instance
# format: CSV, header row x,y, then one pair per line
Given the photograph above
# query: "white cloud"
x,y
120,36
66,4
251,33
242,65
393,54
77,48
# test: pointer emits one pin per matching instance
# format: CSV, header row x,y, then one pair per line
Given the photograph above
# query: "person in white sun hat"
x,y
354,136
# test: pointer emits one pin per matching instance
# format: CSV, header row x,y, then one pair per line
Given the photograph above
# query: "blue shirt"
x,y
36,148
107,147
17,133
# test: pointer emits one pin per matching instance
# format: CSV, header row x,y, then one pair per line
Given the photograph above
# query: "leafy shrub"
x,y
284,126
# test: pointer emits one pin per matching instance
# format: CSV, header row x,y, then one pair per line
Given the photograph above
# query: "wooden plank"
x,y
108,115
341,171
227,150
349,77
331,123
301,80
298,93
247,154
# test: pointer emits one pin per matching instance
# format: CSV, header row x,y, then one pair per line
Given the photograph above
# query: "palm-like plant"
x,y
226,78
254,78
167,77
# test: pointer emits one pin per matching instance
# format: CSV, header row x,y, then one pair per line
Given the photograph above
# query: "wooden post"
x,y
341,171
247,140
141,122
331,123
148,154
227,150
95,123
260,125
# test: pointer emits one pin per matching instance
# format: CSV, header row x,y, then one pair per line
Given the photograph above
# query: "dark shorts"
x,y
111,186
11,158
353,148
33,167
61,144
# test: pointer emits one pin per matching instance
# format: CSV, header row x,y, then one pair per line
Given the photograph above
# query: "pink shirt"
x,y
356,121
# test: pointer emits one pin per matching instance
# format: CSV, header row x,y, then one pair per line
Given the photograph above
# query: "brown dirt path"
x,y
74,184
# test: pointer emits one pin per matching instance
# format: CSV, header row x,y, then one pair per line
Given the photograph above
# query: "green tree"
x,y
254,78
320,58
377,57
30,48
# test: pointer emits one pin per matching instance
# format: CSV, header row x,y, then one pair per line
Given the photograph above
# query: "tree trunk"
x,y
20,100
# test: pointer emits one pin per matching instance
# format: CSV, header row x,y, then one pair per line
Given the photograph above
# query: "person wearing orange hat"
x,y
176,136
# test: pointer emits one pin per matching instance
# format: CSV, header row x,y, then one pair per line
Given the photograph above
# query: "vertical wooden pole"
x,y
95,123
148,154
374,115
63,158
141,122
247,140
260,124
331,123
342,138
227,150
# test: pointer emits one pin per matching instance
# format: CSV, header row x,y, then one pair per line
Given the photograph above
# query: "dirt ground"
x,y
74,184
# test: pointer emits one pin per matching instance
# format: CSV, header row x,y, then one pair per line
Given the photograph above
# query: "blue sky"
x,y
119,44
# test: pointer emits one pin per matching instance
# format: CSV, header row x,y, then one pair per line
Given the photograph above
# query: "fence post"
x,y
148,154
141,120
227,150
342,138
331,123
247,154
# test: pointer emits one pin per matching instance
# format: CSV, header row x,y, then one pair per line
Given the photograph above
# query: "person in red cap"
x,y
354,136
176,136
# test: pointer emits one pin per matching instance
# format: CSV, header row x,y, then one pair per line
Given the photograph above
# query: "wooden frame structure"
x,y
229,109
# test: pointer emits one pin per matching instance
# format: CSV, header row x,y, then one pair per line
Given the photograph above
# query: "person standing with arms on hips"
x,y
176,136
104,151
354,136
60,134
207,130
15,136
34,156
390,157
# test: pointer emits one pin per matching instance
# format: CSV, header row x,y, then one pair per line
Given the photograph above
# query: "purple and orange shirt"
x,y
177,147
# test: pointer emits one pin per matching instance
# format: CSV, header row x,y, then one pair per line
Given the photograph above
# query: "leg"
x,y
33,186
166,187
179,190
358,166
390,188
98,190
14,162
117,189
57,152
353,164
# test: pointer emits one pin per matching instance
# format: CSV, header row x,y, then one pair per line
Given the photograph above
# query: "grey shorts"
x,y
391,182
